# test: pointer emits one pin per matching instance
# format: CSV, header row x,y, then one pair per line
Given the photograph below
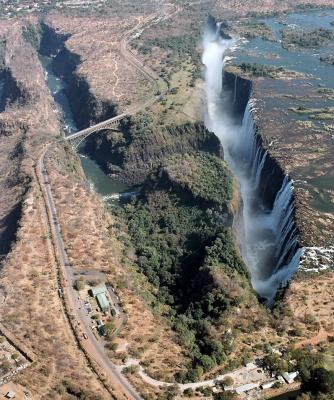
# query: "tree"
x,y
131,369
321,380
303,396
225,396
228,381
109,328
188,392
276,363
207,362
15,357
172,392
79,284
5,367
306,362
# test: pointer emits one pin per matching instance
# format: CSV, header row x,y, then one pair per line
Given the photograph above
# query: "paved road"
x,y
94,348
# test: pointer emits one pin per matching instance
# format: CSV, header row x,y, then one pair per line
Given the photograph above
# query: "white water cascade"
x,y
268,237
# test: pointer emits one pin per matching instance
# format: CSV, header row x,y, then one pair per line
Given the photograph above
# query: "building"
x,y
10,395
102,301
98,289
290,376
245,388
267,385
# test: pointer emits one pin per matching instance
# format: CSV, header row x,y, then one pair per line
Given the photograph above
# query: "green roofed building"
x,y
98,290
103,302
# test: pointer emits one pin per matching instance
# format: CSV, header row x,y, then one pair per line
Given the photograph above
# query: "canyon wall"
x,y
86,107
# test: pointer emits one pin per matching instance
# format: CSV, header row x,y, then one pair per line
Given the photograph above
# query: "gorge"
x,y
266,229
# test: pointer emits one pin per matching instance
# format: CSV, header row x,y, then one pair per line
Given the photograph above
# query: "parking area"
x,y
100,304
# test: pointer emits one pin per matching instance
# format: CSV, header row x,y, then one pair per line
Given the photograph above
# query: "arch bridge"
x,y
78,137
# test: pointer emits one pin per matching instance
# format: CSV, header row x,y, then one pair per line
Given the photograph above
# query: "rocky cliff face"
x,y
302,149
131,157
14,181
86,107
240,89
24,124
272,175
10,92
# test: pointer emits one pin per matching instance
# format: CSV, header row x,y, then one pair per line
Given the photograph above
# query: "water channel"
x,y
110,189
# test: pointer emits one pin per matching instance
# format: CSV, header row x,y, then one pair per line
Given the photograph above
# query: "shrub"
x,y
79,284
131,369
228,381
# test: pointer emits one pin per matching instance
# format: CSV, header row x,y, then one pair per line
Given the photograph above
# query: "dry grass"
x,y
311,300
97,41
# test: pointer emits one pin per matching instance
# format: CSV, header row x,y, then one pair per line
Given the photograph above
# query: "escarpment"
x,y
10,92
14,182
139,147
87,108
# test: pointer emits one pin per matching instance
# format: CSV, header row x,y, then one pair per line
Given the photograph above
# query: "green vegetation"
x,y
228,381
179,48
327,60
225,396
71,390
257,29
326,113
309,39
144,142
202,176
109,328
5,367
79,284
261,70
317,381
179,228
131,369
31,34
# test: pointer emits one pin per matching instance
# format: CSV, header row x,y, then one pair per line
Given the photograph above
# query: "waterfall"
x,y
268,235
235,89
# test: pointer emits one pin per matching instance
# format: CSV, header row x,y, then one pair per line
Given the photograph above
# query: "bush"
x,y
207,362
306,362
314,38
131,369
225,396
321,380
228,381
79,284
188,392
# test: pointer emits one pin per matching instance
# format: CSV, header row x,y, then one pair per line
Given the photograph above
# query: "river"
x,y
110,189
